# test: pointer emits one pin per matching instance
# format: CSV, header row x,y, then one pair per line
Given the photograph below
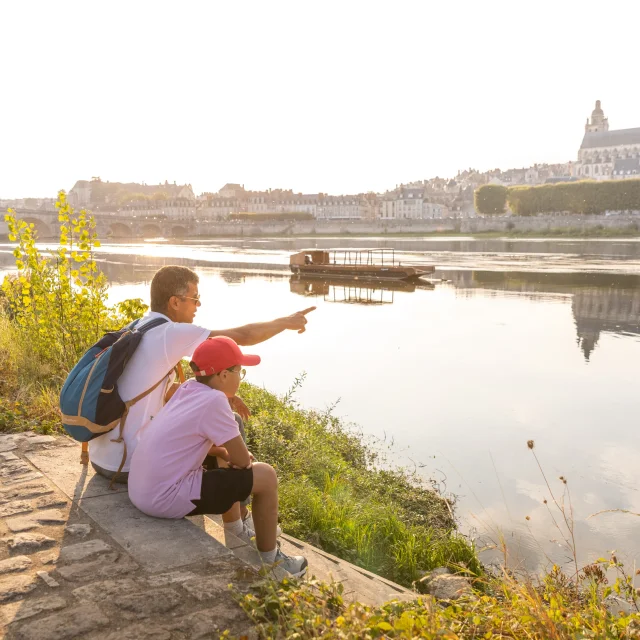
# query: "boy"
x,y
167,479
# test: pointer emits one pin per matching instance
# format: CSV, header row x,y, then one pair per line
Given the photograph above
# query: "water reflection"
x,y
353,291
599,302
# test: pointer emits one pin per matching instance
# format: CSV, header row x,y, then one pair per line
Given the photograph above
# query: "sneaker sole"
x,y
300,574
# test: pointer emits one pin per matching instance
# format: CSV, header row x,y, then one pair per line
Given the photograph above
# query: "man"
x,y
175,297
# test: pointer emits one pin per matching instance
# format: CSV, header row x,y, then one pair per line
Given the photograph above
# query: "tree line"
x,y
586,197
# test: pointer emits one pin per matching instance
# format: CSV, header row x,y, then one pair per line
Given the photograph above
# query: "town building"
x,y
96,193
411,203
607,154
183,210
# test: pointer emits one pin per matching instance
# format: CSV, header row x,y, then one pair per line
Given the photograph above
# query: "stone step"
x,y
359,584
159,545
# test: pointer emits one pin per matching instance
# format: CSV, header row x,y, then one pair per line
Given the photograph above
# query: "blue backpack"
x,y
90,403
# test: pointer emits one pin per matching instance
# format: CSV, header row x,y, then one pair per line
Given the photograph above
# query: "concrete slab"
x,y
211,527
62,466
156,544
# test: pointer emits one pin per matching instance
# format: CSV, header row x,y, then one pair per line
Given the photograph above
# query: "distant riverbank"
x,y
564,233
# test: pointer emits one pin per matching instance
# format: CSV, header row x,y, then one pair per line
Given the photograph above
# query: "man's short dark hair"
x,y
170,281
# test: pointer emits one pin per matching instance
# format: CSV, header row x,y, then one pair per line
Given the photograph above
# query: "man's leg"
x,y
121,478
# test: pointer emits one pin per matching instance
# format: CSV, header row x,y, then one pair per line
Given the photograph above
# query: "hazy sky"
x,y
339,97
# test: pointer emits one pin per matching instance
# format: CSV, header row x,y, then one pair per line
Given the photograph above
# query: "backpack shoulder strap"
x,y
127,406
152,324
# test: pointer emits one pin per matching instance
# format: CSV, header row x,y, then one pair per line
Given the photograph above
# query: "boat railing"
x,y
364,257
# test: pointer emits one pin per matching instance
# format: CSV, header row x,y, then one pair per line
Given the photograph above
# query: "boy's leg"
x,y
233,514
247,502
265,505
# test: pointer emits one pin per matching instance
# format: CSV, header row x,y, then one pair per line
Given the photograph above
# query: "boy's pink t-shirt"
x,y
166,467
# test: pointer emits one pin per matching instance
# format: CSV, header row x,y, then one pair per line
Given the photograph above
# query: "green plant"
x,y
58,300
551,608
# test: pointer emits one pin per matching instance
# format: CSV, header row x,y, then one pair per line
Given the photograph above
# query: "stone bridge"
x,y
108,225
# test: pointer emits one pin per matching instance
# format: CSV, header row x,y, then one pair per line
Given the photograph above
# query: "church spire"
x,y
598,121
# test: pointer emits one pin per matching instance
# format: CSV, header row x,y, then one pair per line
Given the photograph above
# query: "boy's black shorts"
x,y
222,488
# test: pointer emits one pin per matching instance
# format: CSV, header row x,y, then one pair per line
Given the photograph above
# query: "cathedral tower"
x,y
598,121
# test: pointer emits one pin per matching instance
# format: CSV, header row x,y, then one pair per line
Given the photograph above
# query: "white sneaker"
x,y
295,565
248,534
248,522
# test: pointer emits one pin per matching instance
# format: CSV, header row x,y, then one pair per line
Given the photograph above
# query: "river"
x,y
512,340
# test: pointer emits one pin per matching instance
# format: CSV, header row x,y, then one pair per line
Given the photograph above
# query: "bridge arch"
x,y
178,231
150,231
119,230
42,229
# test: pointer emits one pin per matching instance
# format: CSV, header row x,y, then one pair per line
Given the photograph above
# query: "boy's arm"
x,y
257,332
239,456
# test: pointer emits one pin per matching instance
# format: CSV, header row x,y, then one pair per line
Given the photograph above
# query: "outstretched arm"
x,y
251,334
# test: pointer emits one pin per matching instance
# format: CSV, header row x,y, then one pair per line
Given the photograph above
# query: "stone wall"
x,y
468,225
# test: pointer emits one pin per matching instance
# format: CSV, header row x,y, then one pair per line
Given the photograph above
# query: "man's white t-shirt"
x,y
158,353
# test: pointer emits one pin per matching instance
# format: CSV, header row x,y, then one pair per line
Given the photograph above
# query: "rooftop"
x,y
610,138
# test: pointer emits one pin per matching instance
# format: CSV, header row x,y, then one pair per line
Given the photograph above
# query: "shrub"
x,y
491,199
57,301
585,197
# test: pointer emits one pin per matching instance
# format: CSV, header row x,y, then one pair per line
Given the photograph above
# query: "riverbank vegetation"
x,y
552,607
585,197
335,490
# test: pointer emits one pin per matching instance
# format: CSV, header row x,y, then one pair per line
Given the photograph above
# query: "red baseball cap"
x,y
220,353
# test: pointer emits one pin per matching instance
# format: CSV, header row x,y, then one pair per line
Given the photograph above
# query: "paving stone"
x,y
14,468
172,577
44,502
47,578
10,441
31,475
81,530
208,587
105,567
12,587
106,589
217,617
13,565
50,516
23,492
49,557
84,550
14,508
137,631
39,440
70,623
22,524
147,603
15,611
33,520
28,542
7,445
